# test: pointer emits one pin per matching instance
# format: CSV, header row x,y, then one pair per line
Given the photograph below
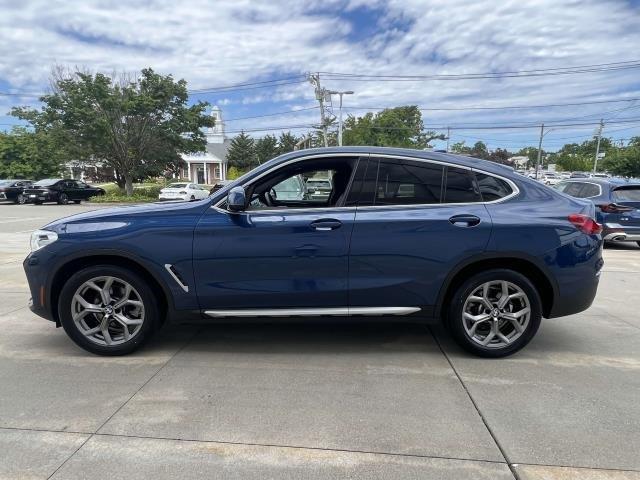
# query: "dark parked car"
x,y
60,191
617,204
406,234
13,190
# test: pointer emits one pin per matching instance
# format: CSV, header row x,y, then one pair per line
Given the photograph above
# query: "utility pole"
x,y
347,92
321,94
448,136
539,150
595,161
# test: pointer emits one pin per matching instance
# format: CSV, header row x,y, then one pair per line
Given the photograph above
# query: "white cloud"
x,y
220,43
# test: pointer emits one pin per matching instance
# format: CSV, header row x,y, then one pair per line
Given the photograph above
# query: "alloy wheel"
x,y
22,199
107,310
496,314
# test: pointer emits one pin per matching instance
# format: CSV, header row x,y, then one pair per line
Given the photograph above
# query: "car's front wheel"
x,y
495,313
21,199
108,310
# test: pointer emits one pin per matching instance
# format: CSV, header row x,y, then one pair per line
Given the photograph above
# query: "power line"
x,y
602,67
222,89
272,114
504,107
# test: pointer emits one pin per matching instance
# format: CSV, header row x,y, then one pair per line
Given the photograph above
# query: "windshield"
x,y
178,185
46,182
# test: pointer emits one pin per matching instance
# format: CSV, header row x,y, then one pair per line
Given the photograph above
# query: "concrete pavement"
x,y
319,400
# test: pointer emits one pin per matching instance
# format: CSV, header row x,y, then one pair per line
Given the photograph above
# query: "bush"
x,y
144,193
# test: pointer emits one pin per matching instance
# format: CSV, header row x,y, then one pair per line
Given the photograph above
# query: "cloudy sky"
x,y
218,43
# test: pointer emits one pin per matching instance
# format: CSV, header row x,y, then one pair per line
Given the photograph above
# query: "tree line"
x,y
140,126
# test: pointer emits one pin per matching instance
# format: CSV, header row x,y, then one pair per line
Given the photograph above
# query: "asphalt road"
x,y
319,400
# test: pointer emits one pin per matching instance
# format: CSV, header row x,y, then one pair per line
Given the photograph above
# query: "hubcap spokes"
x,y
496,314
107,310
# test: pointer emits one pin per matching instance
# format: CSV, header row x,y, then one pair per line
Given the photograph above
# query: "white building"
x,y
210,166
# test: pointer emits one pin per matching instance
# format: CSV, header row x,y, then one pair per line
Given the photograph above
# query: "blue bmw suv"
x,y
405,234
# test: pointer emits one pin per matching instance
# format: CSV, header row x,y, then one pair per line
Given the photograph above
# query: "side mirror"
x,y
236,199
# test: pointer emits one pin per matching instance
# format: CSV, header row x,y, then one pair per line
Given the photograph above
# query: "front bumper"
x,y
37,279
3,196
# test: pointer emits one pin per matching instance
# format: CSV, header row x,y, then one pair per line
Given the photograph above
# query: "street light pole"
x,y
539,150
595,161
347,92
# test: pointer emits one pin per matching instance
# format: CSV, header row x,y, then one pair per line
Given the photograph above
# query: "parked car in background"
x,y
318,187
13,190
550,178
187,192
61,191
579,175
420,236
219,185
617,204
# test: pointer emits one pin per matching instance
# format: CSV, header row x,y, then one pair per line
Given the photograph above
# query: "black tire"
x,y
38,202
193,197
77,202
455,320
638,243
63,199
147,296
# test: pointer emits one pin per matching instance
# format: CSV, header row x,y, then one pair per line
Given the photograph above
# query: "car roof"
x,y
462,160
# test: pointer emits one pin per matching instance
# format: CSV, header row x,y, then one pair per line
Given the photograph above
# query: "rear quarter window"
x,y
492,188
626,194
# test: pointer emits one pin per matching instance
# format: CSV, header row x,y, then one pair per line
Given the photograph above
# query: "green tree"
x,y
266,148
286,142
500,155
242,152
137,126
392,127
29,154
627,162
460,147
479,150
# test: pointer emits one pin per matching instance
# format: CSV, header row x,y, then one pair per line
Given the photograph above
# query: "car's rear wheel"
x,y
108,310
495,313
63,199
193,197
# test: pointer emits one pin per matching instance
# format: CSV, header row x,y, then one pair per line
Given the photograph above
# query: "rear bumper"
x,y
614,232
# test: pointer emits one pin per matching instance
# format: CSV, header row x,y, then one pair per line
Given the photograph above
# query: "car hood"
x,y
122,214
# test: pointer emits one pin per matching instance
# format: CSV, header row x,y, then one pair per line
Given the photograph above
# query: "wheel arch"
x,y
72,265
527,266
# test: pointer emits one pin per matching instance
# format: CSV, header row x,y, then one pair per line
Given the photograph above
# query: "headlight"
x,y
41,238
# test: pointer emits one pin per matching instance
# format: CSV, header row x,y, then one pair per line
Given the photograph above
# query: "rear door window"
x,y
408,183
459,187
590,190
573,189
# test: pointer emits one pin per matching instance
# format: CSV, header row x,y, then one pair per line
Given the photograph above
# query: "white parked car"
x,y
183,191
550,178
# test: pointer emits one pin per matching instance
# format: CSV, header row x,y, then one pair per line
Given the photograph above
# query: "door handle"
x,y
326,224
465,220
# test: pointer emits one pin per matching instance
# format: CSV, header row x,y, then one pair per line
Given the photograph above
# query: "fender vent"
x,y
176,276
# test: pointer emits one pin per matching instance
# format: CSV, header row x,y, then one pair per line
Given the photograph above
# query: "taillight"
x,y
585,224
615,208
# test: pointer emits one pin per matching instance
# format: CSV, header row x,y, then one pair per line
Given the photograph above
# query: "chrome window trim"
x,y
312,312
515,190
